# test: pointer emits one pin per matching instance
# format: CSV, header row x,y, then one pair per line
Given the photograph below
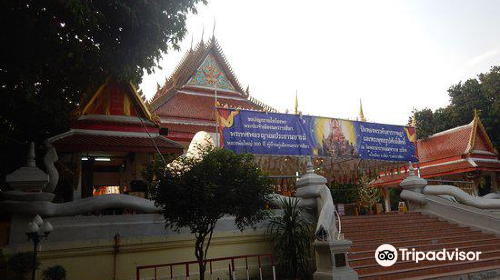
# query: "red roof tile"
x,y
188,128
198,107
488,165
450,143
90,142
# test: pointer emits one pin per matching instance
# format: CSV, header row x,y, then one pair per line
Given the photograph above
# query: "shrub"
x,y
291,237
21,263
56,272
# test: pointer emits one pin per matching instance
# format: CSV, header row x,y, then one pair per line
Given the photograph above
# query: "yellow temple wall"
x,y
89,260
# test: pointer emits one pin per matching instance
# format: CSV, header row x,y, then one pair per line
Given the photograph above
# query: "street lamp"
x,y
37,230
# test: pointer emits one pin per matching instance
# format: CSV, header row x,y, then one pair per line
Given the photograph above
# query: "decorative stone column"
x,y
414,184
28,178
330,252
28,183
332,261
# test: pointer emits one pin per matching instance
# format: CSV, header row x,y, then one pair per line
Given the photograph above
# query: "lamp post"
x,y
37,230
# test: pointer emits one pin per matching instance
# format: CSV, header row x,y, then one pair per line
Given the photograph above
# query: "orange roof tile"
x,y
453,142
198,107
458,150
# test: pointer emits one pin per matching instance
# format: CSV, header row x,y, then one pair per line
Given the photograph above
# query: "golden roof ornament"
x,y
361,114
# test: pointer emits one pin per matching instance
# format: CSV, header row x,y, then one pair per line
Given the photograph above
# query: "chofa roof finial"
x,y
213,30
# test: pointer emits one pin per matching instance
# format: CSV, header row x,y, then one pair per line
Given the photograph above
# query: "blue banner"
x,y
284,134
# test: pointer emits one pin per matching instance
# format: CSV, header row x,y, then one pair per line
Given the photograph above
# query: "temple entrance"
x,y
113,173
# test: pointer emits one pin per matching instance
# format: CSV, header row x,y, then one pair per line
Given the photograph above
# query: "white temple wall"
x,y
85,245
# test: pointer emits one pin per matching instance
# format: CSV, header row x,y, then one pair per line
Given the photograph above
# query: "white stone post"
x,y
412,184
330,252
387,199
332,261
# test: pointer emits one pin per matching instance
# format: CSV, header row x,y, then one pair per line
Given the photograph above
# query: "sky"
x,y
393,55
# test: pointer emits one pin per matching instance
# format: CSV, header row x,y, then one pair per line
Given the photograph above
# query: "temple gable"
x,y
210,74
117,99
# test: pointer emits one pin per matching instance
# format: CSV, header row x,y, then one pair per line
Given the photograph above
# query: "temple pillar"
x,y
88,177
494,182
387,199
77,188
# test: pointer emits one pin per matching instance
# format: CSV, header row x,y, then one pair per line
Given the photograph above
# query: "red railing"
x,y
231,266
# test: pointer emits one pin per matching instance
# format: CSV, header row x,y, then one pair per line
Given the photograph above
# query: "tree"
x,y
368,195
291,236
344,193
196,193
20,264
55,51
56,272
481,94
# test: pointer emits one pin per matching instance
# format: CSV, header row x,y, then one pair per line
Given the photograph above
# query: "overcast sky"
x,y
394,55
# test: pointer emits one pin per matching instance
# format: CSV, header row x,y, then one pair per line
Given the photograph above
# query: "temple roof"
x,y
115,118
203,70
458,150
193,106
191,63
86,141
116,99
202,81
454,142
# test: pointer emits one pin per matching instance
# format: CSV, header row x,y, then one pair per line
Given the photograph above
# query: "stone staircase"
x,y
414,230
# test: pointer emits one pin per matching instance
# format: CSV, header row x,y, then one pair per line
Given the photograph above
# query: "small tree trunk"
x,y
202,267
200,250
200,255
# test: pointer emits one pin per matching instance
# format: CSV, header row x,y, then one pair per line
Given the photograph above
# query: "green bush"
x,y
20,264
344,193
291,237
56,272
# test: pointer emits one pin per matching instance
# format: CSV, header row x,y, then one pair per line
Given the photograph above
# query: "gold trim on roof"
x,y
97,93
140,100
472,140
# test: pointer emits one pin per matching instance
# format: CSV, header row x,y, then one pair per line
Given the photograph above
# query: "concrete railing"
x,y
464,209
486,202
79,206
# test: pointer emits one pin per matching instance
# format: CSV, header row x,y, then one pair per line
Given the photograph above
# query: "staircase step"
x,y
405,235
392,215
375,218
425,271
424,233
479,245
370,265
419,235
421,242
489,272
402,228
391,224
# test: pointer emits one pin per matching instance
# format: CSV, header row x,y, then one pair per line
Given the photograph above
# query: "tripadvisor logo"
x,y
387,255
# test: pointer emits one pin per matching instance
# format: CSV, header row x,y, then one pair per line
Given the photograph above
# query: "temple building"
x,y
114,137
463,156
202,81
